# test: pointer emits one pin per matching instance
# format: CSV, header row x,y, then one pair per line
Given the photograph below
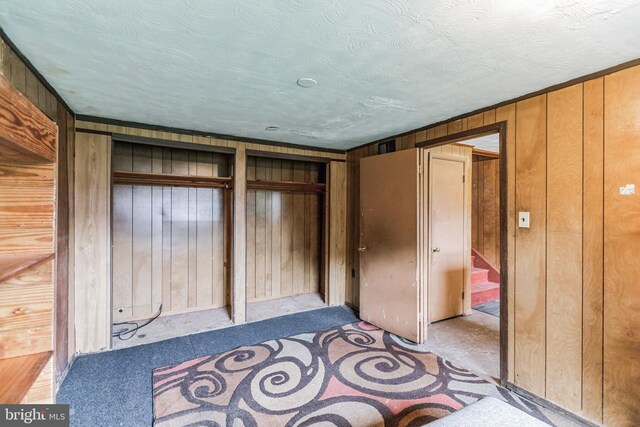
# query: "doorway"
x,y
416,255
477,339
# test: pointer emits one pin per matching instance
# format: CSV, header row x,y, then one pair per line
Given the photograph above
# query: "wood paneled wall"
x,y
92,249
283,231
485,209
93,145
573,297
621,247
23,79
168,242
337,232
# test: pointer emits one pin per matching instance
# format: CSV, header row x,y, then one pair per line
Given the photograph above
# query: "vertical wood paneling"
x,y
609,304
475,121
530,301
192,299
92,231
298,232
301,236
489,117
239,283
168,245
122,288
141,234
592,256
179,235
621,248
337,231
486,209
287,234
276,232
564,247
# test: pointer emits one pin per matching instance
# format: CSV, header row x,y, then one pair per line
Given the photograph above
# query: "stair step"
x,y
479,275
484,292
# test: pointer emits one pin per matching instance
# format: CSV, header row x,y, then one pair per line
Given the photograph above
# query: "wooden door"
x,y
390,285
446,219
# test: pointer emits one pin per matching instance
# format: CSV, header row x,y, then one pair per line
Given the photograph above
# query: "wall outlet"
x,y
523,219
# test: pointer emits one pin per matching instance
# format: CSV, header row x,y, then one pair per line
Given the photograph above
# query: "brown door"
x,y
390,289
446,216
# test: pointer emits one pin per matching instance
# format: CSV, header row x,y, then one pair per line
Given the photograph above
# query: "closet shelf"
x,y
17,375
168,180
12,264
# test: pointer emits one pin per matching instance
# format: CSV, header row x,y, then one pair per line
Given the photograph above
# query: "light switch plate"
x,y
523,219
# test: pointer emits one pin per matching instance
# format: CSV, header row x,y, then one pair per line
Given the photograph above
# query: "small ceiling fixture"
x,y
307,82
271,128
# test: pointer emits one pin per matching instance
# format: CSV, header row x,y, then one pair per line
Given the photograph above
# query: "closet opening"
x,y
286,236
171,240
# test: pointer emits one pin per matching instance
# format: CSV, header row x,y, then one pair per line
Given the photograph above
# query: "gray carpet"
x,y
491,307
114,388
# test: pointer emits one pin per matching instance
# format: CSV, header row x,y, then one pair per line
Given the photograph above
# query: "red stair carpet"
x,y
482,288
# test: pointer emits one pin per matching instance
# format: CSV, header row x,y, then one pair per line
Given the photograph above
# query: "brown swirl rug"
x,y
353,375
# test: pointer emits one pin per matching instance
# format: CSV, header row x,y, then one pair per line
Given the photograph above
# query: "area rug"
x,y
353,375
491,307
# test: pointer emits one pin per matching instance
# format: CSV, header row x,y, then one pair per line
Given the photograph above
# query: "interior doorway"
x,y
476,340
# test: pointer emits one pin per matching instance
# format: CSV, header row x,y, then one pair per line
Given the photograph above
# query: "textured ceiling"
x,y
487,142
383,66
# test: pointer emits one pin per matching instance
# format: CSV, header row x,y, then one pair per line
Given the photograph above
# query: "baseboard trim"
x,y
550,405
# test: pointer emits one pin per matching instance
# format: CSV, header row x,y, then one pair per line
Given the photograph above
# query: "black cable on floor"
x,y
129,332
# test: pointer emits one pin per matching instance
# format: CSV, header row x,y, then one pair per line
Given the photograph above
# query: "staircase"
x,y
483,289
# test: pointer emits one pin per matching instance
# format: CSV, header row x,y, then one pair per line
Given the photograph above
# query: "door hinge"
x,y
464,177
462,294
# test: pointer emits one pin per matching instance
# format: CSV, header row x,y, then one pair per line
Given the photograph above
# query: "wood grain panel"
x,y
173,255
486,209
43,388
564,247
27,215
530,298
621,248
239,287
26,133
337,232
26,312
475,121
92,231
20,374
65,144
271,222
592,247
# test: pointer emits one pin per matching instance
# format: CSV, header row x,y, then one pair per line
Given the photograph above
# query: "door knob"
x,y
362,248
436,249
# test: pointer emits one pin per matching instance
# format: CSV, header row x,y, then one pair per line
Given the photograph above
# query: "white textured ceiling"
x,y
486,143
383,66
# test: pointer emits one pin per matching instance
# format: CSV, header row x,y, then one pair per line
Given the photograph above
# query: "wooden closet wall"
x,y
168,242
485,212
284,230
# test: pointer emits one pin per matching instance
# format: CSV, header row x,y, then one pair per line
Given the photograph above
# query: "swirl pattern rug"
x,y
353,375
